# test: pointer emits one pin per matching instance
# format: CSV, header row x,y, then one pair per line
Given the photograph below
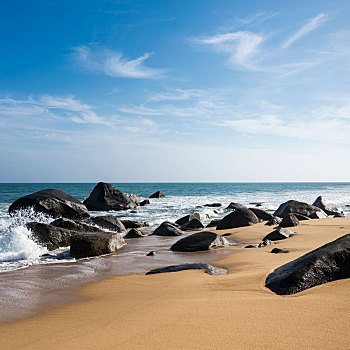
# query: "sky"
x,y
174,91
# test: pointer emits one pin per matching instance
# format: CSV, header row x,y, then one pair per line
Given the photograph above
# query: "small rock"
x,y
193,224
278,234
279,251
152,253
274,221
167,229
158,194
134,233
144,202
235,206
213,205
187,218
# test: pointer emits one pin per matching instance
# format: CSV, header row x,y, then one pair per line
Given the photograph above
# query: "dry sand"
x,y
192,310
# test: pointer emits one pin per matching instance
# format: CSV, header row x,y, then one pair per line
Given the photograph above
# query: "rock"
x,y
318,215
133,211
199,241
216,211
290,220
213,223
238,218
52,202
257,204
250,246
83,245
209,269
134,224
213,205
338,215
134,233
296,207
235,206
261,214
167,229
278,234
193,224
77,226
109,222
187,218
226,234
301,217
144,202
106,197
51,237
264,243
279,251
274,221
158,194
152,253
328,208
327,263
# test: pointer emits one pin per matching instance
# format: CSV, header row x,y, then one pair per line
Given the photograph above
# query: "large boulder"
x,y
158,194
109,222
52,202
106,197
289,220
325,264
83,245
261,214
328,208
188,218
296,207
238,218
193,224
49,236
234,206
75,225
278,234
199,241
167,229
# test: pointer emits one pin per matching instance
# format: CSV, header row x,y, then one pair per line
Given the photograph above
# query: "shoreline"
x,y
192,310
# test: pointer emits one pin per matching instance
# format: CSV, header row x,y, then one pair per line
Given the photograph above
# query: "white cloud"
x,y
239,46
311,25
178,94
115,65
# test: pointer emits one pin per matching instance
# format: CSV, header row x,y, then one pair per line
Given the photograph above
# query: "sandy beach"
x,y
192,310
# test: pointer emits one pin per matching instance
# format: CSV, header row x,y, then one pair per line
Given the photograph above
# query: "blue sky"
x,y
152,91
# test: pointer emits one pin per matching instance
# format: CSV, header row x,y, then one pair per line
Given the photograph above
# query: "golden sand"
x,y
192,310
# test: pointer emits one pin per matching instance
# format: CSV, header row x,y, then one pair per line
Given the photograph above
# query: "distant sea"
x,y
19,250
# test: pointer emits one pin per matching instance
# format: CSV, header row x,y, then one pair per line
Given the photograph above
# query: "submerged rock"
x,y
158,194
83,245
238,218
328,263
209,269
278,234
213,205
328,208
145,202
109,222
167,229
199,241
296,207
52,202
105,197
234,205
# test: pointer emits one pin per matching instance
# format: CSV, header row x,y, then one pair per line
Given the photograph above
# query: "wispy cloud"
x,y
113,63
178,94
240,46
311,25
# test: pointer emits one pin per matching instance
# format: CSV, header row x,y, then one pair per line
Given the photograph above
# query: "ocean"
x,y
30,281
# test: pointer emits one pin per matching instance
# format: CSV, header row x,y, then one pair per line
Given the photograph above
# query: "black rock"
x,y
261,214
328,208
296,207
250,246
134,224
51,237
279,251
134,233
301,217
145,202
257,204
158,194
133,211
238,218
274,221
290,220
328,263
213,205
199,241
187,218
278,234
77,226
152,253
167,229
106,197
193,224
109,222
264,243
227,234
83,245
235,206
209,269
213,223
52,202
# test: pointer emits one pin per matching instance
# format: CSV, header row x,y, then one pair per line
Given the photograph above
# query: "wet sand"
x,y
192,310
